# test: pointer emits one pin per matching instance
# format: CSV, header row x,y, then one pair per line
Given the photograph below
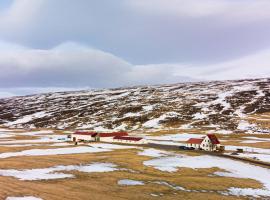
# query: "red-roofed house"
x,y
108,137
208,143
94,136
129,140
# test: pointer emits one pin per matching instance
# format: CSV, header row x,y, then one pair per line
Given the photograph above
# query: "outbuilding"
x,y
80,136
129,140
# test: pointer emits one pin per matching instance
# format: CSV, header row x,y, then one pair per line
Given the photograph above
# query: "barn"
x,y
208,143
108,137
129,140
79,136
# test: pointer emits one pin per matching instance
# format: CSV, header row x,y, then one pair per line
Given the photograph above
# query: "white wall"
x,y
82,137
143,141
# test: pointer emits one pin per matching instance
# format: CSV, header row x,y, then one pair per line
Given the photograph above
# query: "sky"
x,y
49,45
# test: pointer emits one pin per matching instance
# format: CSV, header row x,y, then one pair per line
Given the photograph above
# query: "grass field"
x,y
200,183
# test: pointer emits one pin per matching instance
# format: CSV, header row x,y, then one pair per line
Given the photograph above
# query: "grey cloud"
x,y
154,31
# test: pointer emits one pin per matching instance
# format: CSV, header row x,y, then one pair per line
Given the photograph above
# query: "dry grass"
x,y
104,185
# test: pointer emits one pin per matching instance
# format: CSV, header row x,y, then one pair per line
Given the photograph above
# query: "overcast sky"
x,y
51,45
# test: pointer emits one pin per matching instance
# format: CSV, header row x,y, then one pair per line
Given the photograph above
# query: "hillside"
x,y
241,106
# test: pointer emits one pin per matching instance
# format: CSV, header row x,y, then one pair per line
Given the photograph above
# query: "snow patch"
x,y
54,172
130,182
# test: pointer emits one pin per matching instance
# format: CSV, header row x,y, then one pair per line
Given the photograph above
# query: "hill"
x,y
226,106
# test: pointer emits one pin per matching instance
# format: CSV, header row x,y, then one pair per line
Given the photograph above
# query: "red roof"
x,y
195,141
213,138
94,134
127,138
113,134
85,133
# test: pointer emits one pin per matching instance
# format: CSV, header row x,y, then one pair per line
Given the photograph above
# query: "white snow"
x,y
247,149
223,132
34,133
54,172
233,168
248,192
111,146
148,108
6,135
93,148
186,126
257,138
165,142
244,125
256,156
130,182
130,114
155,123
175,137
153,153
251,141
28,118
222,99
199,116
101,129
169,164
41,139
58,151
23,198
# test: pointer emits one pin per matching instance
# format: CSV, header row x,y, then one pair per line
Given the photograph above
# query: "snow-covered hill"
x,y
220,105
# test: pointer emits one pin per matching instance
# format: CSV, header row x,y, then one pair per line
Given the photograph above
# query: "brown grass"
x,y
104,185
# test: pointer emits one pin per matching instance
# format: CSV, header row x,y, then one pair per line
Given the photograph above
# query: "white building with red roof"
x,y
80,136
208,143
130,140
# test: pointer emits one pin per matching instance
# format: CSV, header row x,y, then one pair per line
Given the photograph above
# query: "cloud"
x,y
243,10
71,65
19,14
66,65
144,32
130,42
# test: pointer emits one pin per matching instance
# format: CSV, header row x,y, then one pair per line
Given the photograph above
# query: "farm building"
x,y
83,136
108,137
129,140
94,136
208,143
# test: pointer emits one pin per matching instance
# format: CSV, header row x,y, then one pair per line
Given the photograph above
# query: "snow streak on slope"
x,y
221,105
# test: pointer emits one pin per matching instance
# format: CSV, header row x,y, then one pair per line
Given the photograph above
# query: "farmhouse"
x,y
129,140
208,143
